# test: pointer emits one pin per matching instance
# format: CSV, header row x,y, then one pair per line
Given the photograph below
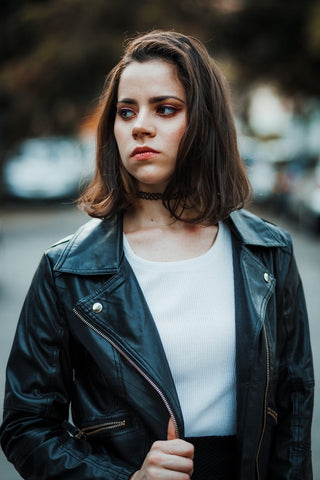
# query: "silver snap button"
x,y
97,307
266,277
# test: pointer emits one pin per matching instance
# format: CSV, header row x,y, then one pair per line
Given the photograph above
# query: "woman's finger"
x,y
172,432
177,447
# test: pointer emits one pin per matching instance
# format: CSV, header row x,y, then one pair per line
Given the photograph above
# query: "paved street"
x,y
28,232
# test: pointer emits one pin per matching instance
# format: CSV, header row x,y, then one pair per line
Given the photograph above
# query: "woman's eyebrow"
x,y
130,101
152,100
164,97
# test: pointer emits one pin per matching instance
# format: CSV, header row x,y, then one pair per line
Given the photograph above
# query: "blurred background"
x,y
54,57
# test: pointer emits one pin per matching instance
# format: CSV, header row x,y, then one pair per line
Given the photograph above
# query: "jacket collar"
x,y
255,231
96,248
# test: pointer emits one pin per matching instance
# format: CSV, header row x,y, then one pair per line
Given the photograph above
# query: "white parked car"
x,y
48,168
260,167
306,197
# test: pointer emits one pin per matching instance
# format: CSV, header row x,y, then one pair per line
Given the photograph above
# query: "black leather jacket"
x,y
87,338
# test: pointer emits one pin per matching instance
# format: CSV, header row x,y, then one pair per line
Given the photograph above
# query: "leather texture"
x,y
86,339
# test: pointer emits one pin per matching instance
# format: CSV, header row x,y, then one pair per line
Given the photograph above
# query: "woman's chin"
x,y
152,185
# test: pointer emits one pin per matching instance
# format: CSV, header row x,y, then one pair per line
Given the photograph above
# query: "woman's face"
x,y
150,122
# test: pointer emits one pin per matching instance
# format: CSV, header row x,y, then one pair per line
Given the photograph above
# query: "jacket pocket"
x,y
273,414
102,428
266,444
122,435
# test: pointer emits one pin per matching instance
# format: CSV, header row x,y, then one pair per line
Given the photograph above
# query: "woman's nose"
x,y
143,127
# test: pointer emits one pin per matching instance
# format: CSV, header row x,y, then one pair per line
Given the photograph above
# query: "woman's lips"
x,y
144,155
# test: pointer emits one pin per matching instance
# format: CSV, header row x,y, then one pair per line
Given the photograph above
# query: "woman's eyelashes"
x,y
166,110
163,110
125,113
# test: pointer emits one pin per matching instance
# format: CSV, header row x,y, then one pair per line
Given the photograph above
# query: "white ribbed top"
x,y
192,303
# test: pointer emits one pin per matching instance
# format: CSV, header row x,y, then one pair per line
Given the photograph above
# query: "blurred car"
x,y
48,168
311,200
304,195
260,168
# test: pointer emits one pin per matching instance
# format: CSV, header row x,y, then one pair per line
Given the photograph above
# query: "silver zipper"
x,y
87,431
265,398
142,373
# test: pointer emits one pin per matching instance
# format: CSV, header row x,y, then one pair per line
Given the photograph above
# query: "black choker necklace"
x,y
149,195
154,195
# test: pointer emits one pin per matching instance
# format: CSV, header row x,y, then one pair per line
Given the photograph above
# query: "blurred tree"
x,y
54,54
274,40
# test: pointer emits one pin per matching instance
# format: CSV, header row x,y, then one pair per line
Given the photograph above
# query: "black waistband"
x,y
214,457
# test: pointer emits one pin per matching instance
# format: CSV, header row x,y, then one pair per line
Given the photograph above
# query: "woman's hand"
x,y
167,460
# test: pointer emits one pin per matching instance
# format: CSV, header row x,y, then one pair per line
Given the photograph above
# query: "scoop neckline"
x,y
193,261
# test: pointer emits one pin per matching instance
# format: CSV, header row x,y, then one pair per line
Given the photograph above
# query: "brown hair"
x,y
209,178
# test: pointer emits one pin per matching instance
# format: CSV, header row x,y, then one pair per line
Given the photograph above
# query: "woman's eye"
x,y
166,110
125,113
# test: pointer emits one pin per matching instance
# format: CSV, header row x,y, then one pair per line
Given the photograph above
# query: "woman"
x,y
174,324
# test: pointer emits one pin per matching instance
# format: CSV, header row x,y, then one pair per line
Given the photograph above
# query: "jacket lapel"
x,y
124,320
254,285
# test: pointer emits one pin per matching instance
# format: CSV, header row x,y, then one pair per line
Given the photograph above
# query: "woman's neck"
x,y
147,214
155,235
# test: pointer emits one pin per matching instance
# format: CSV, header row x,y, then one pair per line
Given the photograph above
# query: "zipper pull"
x,y
80,434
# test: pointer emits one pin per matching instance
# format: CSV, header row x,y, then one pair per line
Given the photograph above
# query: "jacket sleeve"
x,y
38,392
291,453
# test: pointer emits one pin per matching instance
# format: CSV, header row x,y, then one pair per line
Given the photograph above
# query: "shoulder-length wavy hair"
x,y
209,179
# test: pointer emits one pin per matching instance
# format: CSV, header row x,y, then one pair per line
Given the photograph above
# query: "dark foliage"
x,y
54,54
